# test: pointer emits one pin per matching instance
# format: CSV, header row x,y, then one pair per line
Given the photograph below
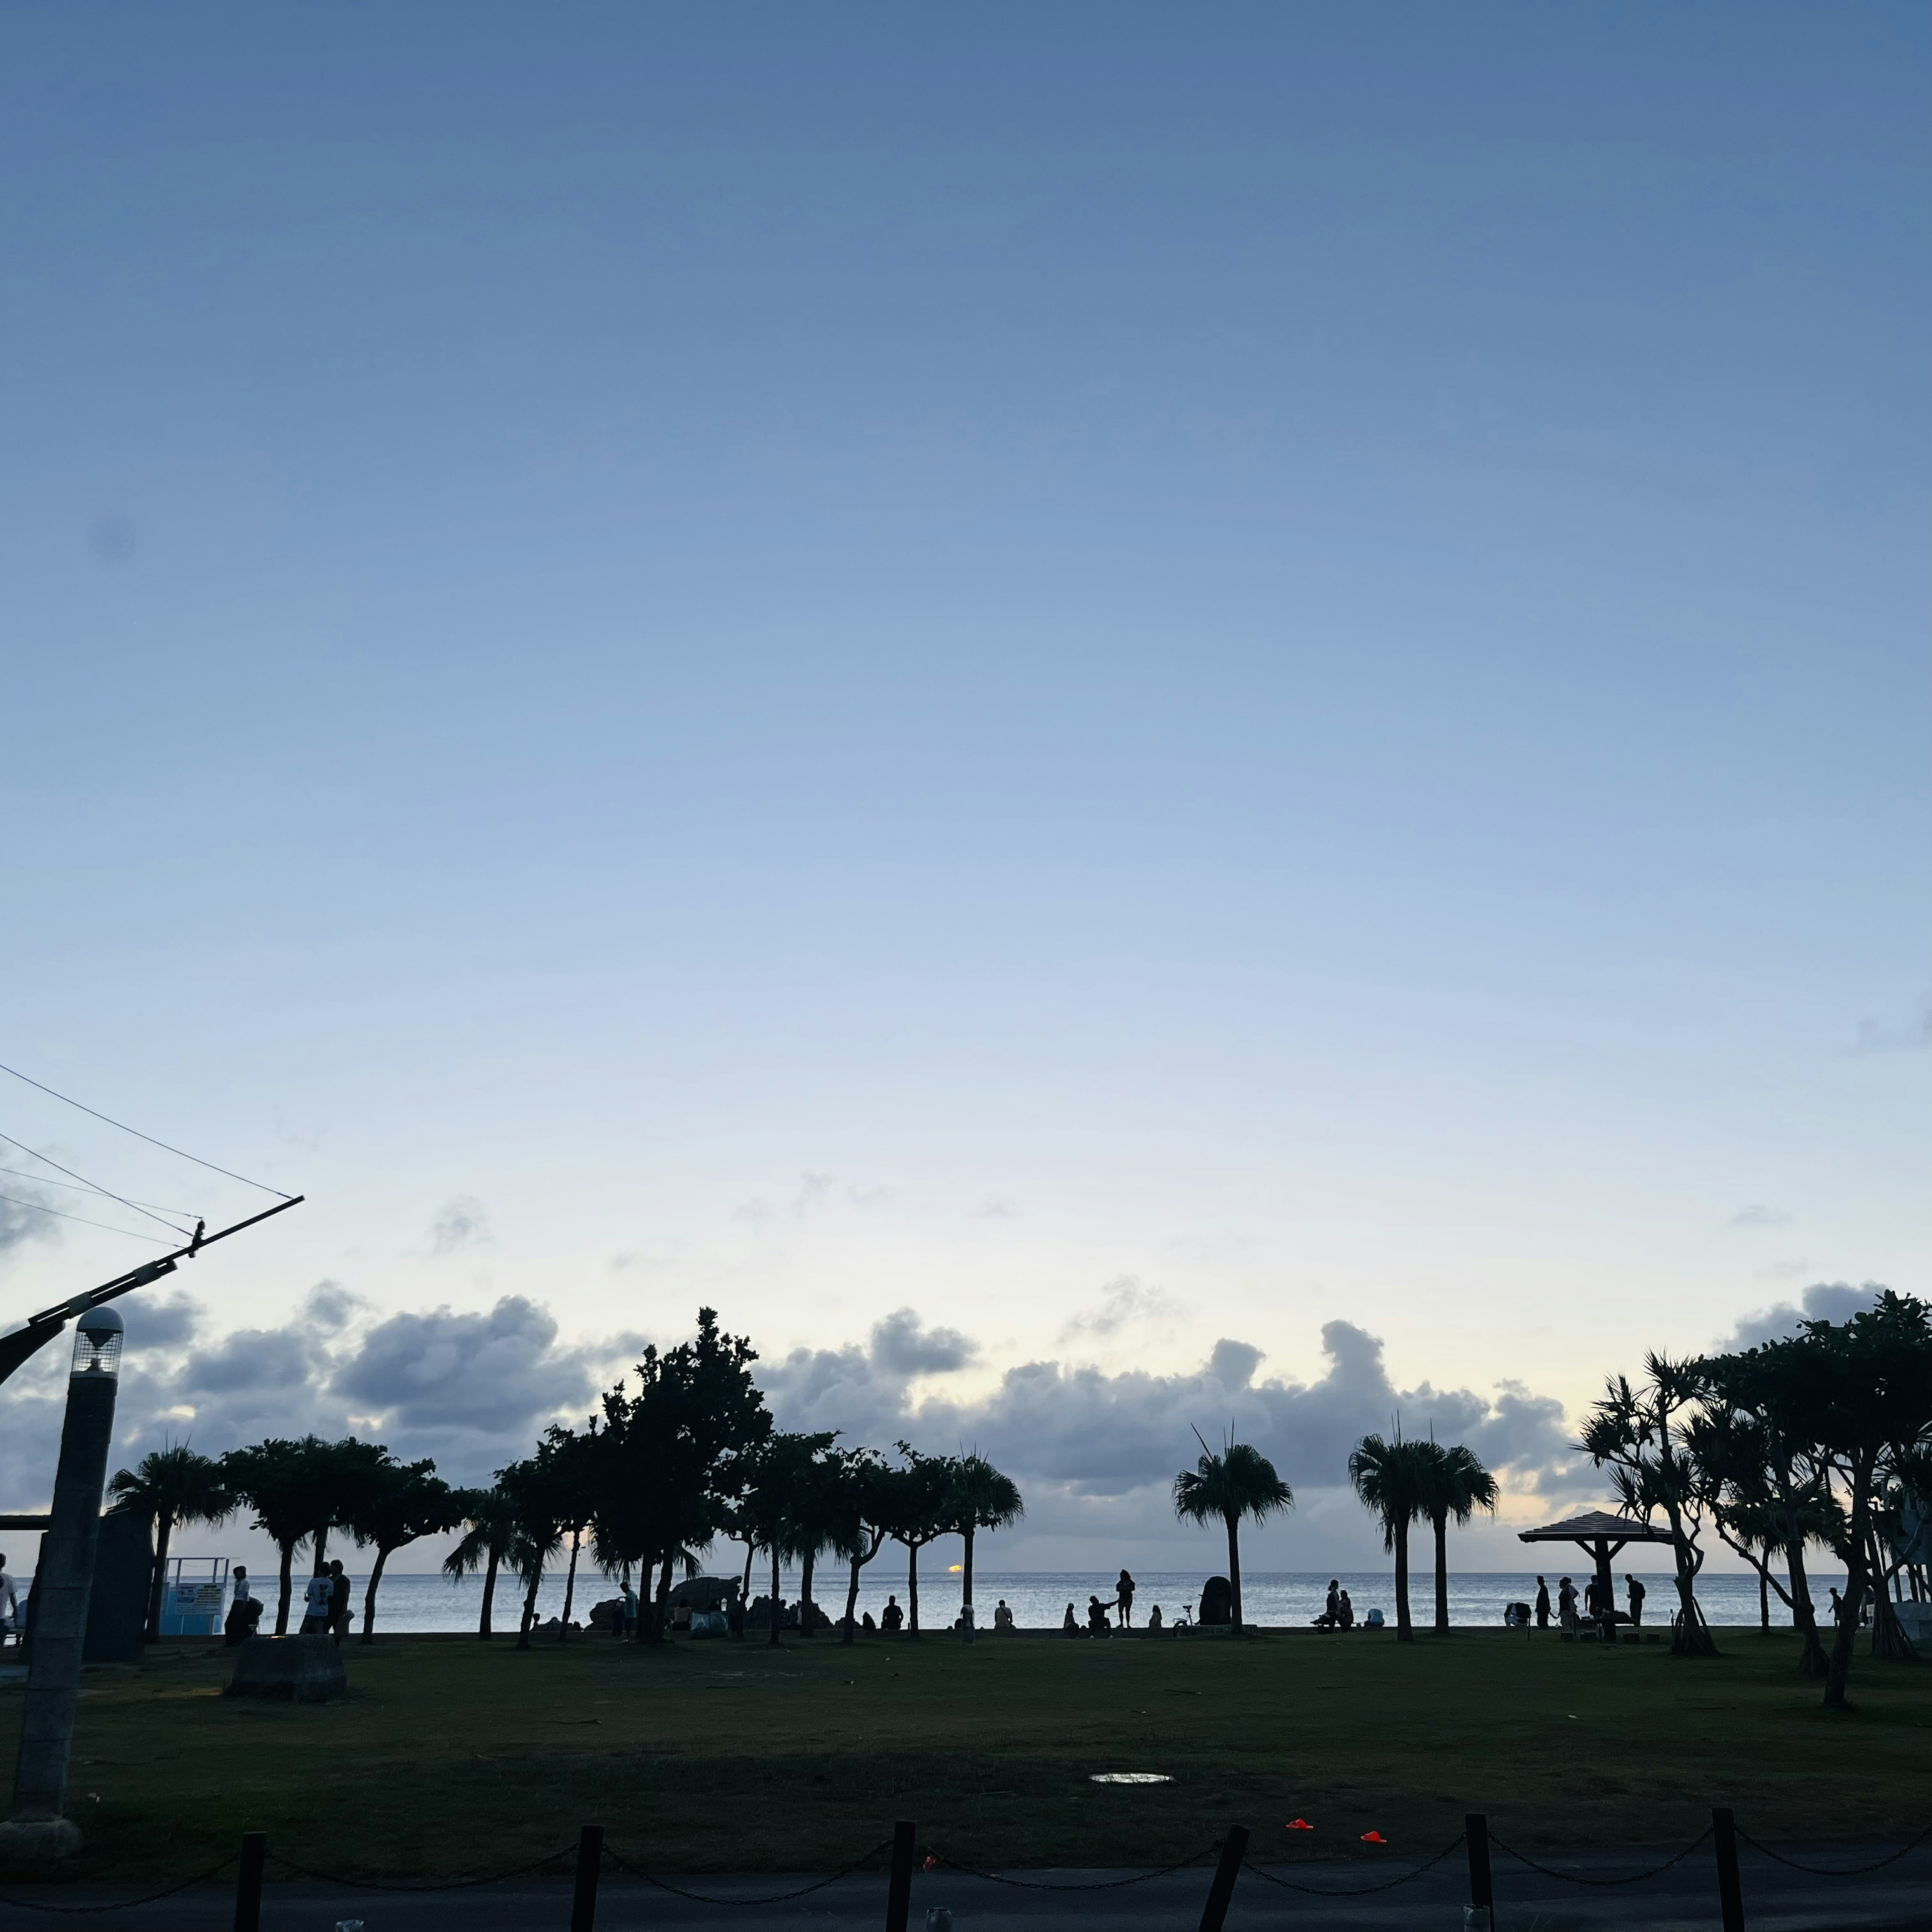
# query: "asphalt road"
x,y
1898,1899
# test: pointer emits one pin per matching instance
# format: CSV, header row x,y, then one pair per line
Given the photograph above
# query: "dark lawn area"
x,y
452,1757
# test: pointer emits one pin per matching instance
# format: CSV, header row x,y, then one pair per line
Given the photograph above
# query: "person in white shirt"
x,y
316,1601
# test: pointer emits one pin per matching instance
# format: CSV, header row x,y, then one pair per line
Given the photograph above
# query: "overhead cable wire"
x,y
34,1154
107,1227
88,1187
165,1148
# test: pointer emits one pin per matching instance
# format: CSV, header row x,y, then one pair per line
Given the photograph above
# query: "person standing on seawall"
x,y
1123,1596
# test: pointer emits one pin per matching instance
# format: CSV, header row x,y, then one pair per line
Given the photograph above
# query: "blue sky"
x,y
834,660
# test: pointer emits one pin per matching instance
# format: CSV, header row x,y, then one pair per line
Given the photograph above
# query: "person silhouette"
x,y
1123,1598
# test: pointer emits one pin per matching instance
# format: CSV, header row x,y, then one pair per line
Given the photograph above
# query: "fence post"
x,y
1730,1891
1234,1849
899,1889
1482,1894
248,1882
590,1861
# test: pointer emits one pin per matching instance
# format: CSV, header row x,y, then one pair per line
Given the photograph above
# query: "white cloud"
x,y
1822,1301
460,1223
1124,1302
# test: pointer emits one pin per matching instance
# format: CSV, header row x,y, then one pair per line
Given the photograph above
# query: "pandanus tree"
x,y
489,1516
1769,1501
1391,1478
1455,1486
1238,1483
979,1497
1859,1393
1640,1433
169,1487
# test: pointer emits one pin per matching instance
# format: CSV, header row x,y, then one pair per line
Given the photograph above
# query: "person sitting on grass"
x,y
892,1618
866,1623
1069,1624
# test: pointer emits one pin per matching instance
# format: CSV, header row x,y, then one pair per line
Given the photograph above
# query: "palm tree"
x,y
1240,1481
979,1498
491,1515
538,1509
170,1486
1391,1479
1455,1484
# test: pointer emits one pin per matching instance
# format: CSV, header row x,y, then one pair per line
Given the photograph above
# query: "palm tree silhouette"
x,y
1390,1477
1455,1486
172,1485
1240,1481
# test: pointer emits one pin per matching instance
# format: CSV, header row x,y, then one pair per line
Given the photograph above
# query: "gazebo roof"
x,y
1592,1526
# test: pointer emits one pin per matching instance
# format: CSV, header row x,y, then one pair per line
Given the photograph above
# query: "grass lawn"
x,y
451,1756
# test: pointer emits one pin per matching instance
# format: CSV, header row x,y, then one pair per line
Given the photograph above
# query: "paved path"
x,y
1685,1900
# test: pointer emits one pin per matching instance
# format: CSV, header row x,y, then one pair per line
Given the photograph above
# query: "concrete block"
x,y
290,1670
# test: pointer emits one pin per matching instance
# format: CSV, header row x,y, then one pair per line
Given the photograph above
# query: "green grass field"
x,y
452,1756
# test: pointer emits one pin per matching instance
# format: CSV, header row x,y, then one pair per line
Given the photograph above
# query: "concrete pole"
x,y
63,1582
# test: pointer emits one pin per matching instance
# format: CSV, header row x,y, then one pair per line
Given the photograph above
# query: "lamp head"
x,y
97,1343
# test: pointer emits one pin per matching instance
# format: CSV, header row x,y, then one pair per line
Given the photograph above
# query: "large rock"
x,y
291,1670
1217,1603
704,1593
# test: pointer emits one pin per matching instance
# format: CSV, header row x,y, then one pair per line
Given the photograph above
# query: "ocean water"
x,y
1039,1599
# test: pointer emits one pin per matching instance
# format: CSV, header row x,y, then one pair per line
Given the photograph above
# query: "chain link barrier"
x,y
624,1865
1352,1891
1079,1885
938,1859
422,1885
1577,1878
122,1904
1840,1871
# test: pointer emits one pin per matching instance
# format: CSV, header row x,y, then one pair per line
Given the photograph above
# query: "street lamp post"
x,y
63,1582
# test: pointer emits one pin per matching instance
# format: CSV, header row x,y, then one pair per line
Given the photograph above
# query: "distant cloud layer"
x,y
1094,1449
1823,1301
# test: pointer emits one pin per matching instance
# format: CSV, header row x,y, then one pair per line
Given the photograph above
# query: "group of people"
x,y
1338,1611
1599,1602
325,1607
1099,1615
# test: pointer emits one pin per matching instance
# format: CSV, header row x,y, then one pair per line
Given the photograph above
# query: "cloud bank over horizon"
x,y
1093,1448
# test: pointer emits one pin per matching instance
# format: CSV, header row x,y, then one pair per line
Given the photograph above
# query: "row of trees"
x,y
300,1491
1821,1439
663,1470
1402,1482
